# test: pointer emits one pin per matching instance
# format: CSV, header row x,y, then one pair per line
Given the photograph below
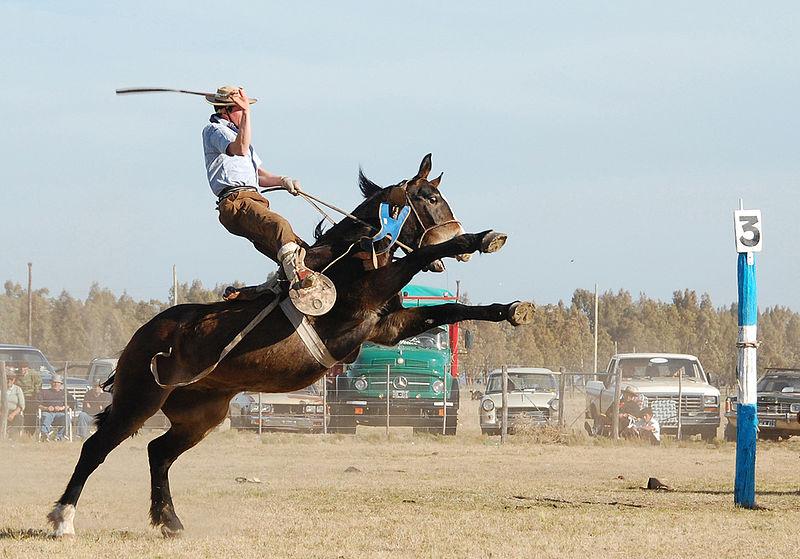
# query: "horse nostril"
x,y
463,257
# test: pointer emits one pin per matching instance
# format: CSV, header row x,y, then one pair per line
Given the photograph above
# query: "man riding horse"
x,y
234,173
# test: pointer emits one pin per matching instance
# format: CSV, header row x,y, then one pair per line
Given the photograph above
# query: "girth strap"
x,y
310,338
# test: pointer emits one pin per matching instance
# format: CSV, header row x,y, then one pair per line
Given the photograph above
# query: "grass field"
x,y
420,496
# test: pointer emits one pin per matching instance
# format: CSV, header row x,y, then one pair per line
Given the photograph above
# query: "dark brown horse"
x,y
272,357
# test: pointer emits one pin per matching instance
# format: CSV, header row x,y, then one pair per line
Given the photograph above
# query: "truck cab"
x,y
667,382
414,382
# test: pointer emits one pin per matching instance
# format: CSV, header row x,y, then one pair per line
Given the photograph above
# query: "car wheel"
x,y
730,433
708,434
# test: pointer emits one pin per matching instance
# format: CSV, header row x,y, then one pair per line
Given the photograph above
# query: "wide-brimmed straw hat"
x,y
222,98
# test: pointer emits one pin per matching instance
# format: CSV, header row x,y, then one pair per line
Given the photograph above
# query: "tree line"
x,y
561,335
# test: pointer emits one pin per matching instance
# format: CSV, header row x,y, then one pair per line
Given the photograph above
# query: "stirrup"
x,y
314,295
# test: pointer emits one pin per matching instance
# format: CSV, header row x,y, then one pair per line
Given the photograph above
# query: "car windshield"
x,y
659,367
532,382
102,371
35,360
779,383
435,338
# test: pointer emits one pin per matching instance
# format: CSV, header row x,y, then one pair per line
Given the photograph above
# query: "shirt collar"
x,y
216,119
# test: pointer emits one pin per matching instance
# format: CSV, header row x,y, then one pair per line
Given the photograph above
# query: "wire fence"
x,y
337,405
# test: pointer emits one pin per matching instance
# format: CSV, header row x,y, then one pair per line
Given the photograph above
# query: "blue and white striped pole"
x,y
746,417
747,225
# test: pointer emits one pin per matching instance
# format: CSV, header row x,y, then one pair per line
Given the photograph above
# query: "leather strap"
x,y
316,347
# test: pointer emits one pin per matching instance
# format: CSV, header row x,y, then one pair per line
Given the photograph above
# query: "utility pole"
x,y
596,324
174,285
30,304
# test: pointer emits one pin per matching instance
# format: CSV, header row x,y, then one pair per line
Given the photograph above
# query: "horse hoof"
x,y
493,242
62,519
521,313
168,532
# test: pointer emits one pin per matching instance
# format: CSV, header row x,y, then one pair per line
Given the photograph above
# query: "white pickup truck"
x,y
658,378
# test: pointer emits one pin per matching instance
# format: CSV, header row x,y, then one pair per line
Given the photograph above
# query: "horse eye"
x,y
433,199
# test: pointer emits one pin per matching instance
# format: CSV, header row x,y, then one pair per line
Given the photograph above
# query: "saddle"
x,y
315,296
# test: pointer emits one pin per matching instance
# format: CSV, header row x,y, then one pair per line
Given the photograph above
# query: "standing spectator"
x,y
51,404
94,402
29,380
16,402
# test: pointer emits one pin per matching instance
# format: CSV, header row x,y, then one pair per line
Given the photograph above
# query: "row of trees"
x,y
562,335
66,328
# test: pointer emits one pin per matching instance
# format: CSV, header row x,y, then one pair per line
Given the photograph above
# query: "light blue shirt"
x,y
225,171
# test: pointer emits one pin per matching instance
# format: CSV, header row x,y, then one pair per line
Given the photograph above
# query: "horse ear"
x,y
435,182
424,167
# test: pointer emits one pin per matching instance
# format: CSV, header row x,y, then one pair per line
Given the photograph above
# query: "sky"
x,y
610,140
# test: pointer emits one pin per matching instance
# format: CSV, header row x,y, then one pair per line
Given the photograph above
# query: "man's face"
x,y
234,114
57,386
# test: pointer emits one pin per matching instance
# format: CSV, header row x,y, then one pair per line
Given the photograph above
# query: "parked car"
x,y
14,355
532,398
298,411
777,406
659,378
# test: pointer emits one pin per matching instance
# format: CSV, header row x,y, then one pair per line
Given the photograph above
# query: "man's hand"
x,y
241,100
292,185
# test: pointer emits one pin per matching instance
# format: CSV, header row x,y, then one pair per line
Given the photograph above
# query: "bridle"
x,y
427,228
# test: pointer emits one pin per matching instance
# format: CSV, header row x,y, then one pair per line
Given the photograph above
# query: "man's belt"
x,y
233,189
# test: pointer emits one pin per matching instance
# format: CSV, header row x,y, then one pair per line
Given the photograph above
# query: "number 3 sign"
x,y
747,227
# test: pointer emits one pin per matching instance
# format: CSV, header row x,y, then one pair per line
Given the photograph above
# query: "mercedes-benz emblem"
x,y
400,382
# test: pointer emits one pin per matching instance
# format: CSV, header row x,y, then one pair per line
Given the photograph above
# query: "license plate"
x,y
766,423
399,393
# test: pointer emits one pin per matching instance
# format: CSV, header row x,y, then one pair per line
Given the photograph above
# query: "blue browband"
x,y
390,226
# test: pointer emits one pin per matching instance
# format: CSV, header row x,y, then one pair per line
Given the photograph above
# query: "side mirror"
x,y
709,378
469,339
605,378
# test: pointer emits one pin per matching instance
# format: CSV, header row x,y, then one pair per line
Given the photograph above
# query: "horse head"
x,y
431,220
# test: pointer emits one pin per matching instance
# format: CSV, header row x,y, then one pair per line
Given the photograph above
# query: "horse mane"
x,y
368,190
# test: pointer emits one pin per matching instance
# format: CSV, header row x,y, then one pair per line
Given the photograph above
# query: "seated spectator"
x,y
629,409
51,404
648,428
94,402
16,402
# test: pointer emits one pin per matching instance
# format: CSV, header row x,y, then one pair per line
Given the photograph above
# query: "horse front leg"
x,y
404,323
398,274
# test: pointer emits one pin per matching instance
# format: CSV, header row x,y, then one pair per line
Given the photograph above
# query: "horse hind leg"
x,y
192,415
116,423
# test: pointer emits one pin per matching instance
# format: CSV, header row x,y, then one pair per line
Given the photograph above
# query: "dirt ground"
x,y
410,496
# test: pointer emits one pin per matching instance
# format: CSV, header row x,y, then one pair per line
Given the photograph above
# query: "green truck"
x,y
413,384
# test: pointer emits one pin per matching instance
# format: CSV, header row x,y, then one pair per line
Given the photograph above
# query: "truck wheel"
x,y
730,433
450,428
708,434
341,422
